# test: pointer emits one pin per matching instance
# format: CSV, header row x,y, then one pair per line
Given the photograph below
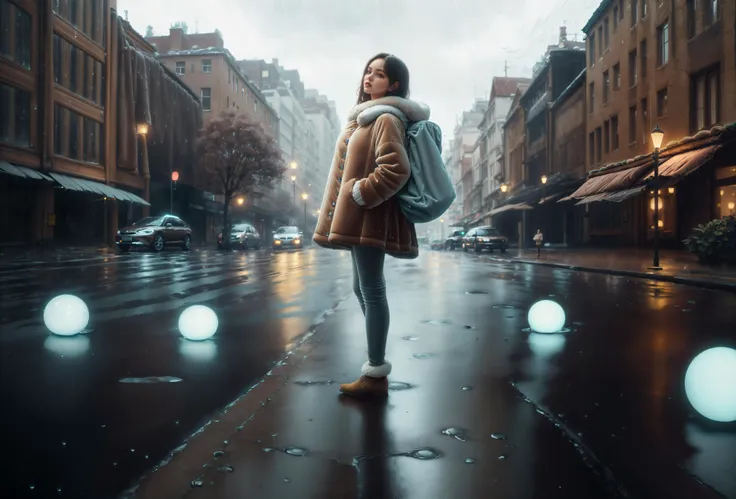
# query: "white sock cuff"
x,y
377,371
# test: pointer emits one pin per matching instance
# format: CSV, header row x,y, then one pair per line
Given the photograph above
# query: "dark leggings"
x,y
370,288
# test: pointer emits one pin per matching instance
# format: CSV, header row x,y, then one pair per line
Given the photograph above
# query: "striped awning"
x,y
84,185
23,172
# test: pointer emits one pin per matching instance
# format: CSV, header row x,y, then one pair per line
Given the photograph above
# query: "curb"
x,y
687,281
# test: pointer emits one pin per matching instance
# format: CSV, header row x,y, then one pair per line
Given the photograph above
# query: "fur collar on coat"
x,y
405,109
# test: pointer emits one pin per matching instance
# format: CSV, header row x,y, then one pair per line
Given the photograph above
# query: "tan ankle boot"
x,y
374,382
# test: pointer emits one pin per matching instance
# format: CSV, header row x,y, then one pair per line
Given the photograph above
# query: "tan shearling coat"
x,y
371,151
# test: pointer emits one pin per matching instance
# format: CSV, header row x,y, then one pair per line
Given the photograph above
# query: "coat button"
x,y
339,179
333,204
344,155
329,215
347,140
342,166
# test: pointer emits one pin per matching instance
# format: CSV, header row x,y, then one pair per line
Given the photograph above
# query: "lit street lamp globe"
x,y
710,384
198,323
66,315
546,316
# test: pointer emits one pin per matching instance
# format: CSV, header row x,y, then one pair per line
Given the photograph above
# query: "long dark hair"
x,y
395,70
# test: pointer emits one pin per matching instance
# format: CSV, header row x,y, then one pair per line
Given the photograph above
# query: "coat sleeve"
x,y
392,162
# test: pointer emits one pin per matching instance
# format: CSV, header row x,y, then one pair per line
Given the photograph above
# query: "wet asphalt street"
x,y
597,412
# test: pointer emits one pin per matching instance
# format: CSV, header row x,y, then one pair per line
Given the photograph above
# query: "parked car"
x,y
155,233
242,236
486,237
455,240
436,245
287,237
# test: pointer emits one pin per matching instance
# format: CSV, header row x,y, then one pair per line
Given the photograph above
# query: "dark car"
x,y
454,240
242,236
436,245
155,233
487,237
287,237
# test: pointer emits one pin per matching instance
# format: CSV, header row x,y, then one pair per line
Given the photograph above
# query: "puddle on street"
x,y
422,356
410,338
498,436
437,322
466,388
150,380
424,454
505,307
399,386
469,460
456,433
476,292
226,469
314,383
292,451
564,330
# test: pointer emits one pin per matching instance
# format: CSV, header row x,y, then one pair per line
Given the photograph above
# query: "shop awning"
x,y
686,163
613,197
23,172
84,185
612,182
509,207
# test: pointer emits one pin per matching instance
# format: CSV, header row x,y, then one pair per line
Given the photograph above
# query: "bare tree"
x,y
237,157
181,24
149,31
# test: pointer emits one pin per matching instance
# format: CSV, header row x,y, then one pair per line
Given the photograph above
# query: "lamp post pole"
x,y
655,263
657,136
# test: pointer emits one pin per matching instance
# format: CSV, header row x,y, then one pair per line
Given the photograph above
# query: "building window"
x,y
15,34
644,121
632,125
598,145
181,67
643,57
264,73
634,12
76,137
616,76
633,74
711,12
206,65
620,10
591,97
606,137
15,118
227,104
205,96
606,86
87,16
591,147
606,35
705,99
663,44
614,133
643,9
615,18
591,49
692,21
662,103
600,41
78,71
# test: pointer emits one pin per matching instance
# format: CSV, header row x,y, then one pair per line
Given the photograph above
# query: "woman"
x,y
360,212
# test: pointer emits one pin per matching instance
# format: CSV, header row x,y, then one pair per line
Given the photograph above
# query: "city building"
x,y
464,141
542,179
491,152
203,63
666,64
72,168
322,113
285,92
514,140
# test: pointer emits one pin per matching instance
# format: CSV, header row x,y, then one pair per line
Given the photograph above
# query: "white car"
x,y
287,237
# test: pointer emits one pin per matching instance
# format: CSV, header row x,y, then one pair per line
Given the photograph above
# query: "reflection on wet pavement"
x,y
478,403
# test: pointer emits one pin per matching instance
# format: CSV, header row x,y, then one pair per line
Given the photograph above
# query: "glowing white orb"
x,y
66,315
546,316
710,384
198,323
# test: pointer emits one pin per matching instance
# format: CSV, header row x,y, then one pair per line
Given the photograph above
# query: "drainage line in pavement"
x,y
615,489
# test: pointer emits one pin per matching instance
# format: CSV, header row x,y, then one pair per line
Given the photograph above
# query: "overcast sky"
x,y
452,48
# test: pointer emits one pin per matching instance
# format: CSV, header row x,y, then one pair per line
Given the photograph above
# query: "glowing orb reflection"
x,y
198,323
66,315
546,316
546,345
67,346
710,384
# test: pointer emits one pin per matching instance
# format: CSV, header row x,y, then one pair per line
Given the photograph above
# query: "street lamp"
x,y
657,136
142,130
544,179
240,201
304,197
172,188
504,187
293,165
293,184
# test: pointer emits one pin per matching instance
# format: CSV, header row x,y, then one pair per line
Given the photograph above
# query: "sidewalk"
x,y
452,426
677,266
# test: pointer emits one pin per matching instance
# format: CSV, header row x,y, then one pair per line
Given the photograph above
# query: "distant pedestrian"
x,y
539,240
360,212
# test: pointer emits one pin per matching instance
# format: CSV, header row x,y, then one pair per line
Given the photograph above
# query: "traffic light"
x,y
174,180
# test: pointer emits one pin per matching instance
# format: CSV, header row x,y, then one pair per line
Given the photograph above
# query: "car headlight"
x,y
145,232
297,241
277,241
